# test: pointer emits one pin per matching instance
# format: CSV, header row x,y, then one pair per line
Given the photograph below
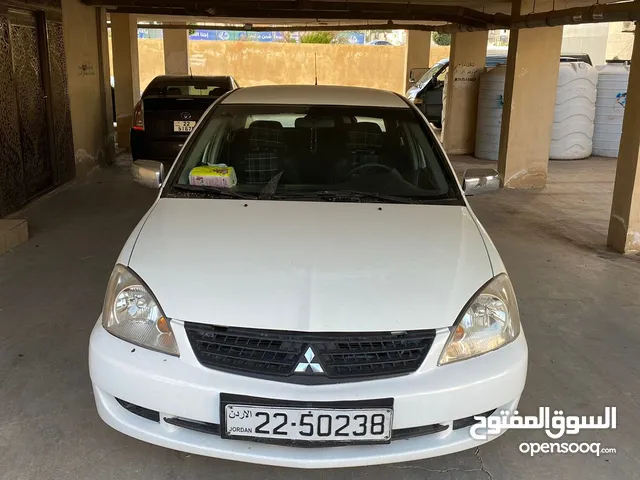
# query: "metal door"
x,y
433,97
26,40
11,178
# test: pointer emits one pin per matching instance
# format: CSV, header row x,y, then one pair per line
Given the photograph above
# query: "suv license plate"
x,y
317,425
183,125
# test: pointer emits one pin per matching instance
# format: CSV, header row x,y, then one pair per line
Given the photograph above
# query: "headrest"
x,y
268,124
265,135
368,127
314,122
364,136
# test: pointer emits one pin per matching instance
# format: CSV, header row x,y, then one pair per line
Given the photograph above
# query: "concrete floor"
x,y
580,306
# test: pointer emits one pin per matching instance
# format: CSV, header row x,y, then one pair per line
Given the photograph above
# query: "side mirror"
x,y
412,78
148,173
480,180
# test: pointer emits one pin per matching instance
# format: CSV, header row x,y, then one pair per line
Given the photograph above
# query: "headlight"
x,y
132,313
490,321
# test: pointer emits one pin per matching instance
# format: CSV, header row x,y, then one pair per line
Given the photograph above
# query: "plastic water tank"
x,y
610,102
575,110
490,100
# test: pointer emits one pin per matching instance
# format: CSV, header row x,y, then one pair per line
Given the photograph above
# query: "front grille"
x,y
468,421
202,427
276,354
140,411
411,432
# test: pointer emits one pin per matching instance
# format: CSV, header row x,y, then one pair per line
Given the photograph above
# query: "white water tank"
x,y
575,110
610,102
490,100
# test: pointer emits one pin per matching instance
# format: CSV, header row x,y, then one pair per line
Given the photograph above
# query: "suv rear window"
x,y
290,151
186,88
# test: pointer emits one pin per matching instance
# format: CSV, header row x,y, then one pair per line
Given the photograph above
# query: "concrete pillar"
x,y
83,27
624,224
124,36
529,102
466,62
417,54
105,86
176,51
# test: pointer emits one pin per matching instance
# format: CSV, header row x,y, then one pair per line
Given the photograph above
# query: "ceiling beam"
x,y
460,18
302,9
290,28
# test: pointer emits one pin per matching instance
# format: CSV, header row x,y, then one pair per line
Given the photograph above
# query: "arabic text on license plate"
x,y
183,125
366,425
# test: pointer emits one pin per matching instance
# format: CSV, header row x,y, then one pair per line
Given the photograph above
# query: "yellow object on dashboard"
x,y
213,176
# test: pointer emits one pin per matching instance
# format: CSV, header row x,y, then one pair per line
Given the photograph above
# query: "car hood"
x,y
311,266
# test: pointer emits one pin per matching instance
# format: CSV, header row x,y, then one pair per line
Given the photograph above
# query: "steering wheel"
x,y
378,166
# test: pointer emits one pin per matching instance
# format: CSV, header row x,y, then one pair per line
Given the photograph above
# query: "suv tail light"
x,y
138,116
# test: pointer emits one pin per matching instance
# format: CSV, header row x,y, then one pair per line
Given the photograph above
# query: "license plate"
x,y
183,125
322,424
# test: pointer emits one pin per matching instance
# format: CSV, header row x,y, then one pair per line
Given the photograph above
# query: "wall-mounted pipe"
x,y
457,28
288,28
614,12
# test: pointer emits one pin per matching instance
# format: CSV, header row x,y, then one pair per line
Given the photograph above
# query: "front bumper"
x,y
181,387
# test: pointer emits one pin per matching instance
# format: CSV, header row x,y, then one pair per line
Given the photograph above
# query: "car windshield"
x,y
331,153
428,74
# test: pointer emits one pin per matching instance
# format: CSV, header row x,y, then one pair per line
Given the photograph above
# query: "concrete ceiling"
x,y
390,13
468,12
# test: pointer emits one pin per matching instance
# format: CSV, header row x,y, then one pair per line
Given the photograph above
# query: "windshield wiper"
x,y
213,191
353,195
270,188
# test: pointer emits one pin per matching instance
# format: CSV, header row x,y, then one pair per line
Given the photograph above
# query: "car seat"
x,y
364,146
263,160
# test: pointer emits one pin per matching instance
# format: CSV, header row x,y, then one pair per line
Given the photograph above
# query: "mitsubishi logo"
x,y
306,363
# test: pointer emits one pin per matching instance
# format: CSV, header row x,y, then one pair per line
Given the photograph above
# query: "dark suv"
x,y
426,93
169,109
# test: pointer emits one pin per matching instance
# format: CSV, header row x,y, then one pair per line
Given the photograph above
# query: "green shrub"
x,y
317,37
442,38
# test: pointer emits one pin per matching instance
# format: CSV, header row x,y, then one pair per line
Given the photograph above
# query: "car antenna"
x,y
315,67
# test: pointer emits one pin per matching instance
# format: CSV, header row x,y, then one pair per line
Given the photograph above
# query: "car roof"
x,y
315,95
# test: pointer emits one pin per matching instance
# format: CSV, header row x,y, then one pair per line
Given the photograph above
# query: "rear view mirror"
x,y
148,173
480,180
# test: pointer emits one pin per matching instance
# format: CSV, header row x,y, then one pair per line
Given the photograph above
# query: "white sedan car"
x,y
310,289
